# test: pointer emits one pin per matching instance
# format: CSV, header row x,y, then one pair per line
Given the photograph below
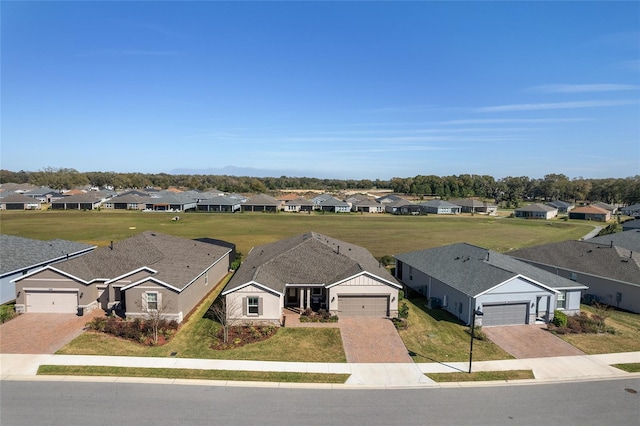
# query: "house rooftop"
x,y
536,207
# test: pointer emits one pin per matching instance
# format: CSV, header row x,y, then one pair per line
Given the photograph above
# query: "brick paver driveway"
x,y
372,340
41,333
529,341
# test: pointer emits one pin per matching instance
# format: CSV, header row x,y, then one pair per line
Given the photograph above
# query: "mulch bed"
x,y
243,335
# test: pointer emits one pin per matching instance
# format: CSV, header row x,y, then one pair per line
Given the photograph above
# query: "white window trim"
x,y
256,306
157,301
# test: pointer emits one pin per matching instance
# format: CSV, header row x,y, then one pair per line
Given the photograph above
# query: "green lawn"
x,y
626,338
633,367
434,335
381,234
187,373
480,376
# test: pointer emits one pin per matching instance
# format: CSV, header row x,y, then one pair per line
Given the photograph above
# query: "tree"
x,y
154,310
225,313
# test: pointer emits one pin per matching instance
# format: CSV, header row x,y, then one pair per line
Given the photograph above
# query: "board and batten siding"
x,y
364,285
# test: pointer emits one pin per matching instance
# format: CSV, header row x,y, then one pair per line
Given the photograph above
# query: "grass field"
x,y
381,234
481,376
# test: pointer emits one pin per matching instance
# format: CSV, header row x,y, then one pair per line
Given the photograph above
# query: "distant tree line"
x,y
510,190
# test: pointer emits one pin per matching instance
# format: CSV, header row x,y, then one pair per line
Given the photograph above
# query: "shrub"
x,y
559,319
403,311
400,295
7,312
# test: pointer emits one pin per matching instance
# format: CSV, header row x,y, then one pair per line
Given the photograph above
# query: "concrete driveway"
x,y
372,340
41,333
529,341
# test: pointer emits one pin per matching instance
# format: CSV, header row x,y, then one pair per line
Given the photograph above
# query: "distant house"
x,y
319,199
172,201
562,206
84,201
128,201
334,205
149,271
299,205
310,271
390,198
43,194
367,206
219,203
402,206
590,213
608,265
462,278
440,207
19,202
469,205
632,210
536,211
261,203
21,256
608,207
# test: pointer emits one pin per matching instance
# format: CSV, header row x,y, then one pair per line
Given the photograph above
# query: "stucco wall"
x,y
167,301
271,305
196,291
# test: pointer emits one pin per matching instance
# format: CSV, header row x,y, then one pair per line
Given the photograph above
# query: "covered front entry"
x,y
306,297
505,314
363,306
56,302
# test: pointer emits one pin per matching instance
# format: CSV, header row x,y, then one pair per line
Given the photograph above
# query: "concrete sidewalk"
x,y
395,375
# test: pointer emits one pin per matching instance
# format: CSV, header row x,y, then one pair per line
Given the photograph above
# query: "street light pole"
x,y
479,313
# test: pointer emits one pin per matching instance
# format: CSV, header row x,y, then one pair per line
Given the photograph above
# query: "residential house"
x,y
608,265
149,271
299,205
389,199
319,199
632,210
19,202
462,278
590,213
612,209
562,206
261,203
20,256
172,201
334,205
631,225
536,211
219,204
402,206
310,271
128,201
367,206
440,207
84,201
44,194
469,205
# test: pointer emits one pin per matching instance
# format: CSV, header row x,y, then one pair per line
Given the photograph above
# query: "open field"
x,y
381,234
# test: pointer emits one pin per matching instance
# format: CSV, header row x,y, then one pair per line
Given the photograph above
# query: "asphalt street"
x,y
73,403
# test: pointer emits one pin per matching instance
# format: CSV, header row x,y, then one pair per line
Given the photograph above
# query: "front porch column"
x,y
308,304
301,298
549,311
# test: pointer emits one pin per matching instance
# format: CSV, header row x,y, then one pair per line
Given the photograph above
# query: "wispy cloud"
x,y
515,121
555,105
581,88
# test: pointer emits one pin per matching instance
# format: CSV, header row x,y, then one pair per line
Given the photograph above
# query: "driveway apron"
x,y
372,340
529,341
33,333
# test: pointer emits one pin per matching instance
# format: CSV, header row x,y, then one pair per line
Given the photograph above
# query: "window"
x,y
252,305
152,301
410,273
316,291
573,276
561,301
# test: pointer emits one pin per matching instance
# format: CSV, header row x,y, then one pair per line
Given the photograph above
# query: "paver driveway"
x,y
41,333
529,341
372,340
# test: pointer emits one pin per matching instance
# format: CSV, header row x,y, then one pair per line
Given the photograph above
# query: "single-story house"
x,y
128,201
590,213
319,199
334,205
608,207
402,206
367,206
219,203
44,194
149,271
21,256
469,205
389,198
562,206
632,210
440,207
608,265
19,202
462,278
171,201
298,205
84,201
630,225
310,271
261,203
536,211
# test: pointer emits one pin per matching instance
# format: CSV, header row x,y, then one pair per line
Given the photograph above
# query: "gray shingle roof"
x,y
18,199
537,207
586,257
299,202
466,268
628,239
262,200
178,261
17,253
438,203
309,258
559,204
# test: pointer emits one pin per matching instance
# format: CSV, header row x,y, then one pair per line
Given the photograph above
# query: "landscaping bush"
x,y
559,319
400,323
7,312
403,311
242,335
321,316
136,330
580,323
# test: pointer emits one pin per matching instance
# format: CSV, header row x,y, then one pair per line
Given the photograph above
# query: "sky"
x,y
346,90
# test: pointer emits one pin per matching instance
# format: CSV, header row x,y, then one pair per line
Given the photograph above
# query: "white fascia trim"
x,y
261,286
206,270
155,280
554,291
135,271
47,262
306,285
51,268
52,290
398,286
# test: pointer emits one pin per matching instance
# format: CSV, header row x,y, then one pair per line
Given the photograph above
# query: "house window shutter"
x,y
244,306
260,306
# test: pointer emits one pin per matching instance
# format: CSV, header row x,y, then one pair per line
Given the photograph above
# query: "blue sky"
x,y
327,89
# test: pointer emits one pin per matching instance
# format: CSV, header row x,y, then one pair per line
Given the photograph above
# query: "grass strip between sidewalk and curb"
x,y
187,373
481,376
632,367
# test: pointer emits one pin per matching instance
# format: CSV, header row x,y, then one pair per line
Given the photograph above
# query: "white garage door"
x,y
363,306
505,314
57,302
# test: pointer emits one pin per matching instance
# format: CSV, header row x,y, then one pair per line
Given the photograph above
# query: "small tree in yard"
x,y
154,312
225,313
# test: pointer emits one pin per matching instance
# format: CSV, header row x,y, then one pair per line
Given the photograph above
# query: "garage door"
x,y
363,306
58,302
506,314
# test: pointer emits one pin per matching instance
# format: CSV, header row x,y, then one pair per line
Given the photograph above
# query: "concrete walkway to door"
x,y
529,341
